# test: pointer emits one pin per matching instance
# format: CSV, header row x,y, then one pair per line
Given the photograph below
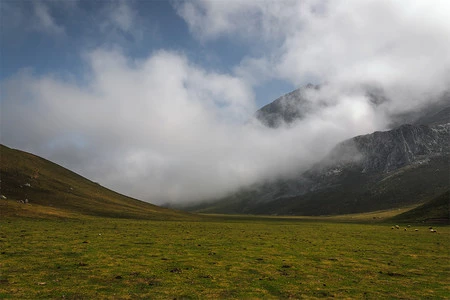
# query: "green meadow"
x,y
221,257
77,240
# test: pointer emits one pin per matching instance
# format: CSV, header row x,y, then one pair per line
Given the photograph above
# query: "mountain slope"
x,y
377,171
50,189
437,210
349,192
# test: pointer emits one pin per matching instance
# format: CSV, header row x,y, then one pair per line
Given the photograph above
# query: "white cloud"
x,y
400,46
45,21
258,19
163,129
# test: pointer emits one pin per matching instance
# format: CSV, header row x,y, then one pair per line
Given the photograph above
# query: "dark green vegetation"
x,y
222,258
53,190
436,210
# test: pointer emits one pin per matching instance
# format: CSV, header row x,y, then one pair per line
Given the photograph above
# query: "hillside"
x,y
437,210
36,187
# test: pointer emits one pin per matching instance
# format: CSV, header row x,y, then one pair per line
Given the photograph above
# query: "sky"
x,y
156,99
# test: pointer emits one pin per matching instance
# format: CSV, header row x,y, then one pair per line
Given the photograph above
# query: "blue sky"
x,y
155,99
79,26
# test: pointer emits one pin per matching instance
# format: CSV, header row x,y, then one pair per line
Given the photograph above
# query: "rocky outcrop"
x,y
389,150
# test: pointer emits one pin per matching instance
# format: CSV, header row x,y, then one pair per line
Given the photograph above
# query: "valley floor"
x,y
220,258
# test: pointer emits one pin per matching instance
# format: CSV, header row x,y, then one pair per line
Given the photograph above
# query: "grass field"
x,y
74,239
89,258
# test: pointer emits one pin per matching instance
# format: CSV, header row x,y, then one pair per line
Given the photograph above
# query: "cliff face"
x,y
389,150
371,158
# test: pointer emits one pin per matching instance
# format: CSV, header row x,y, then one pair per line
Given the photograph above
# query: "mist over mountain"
x,y
157,99
380,170
435,113
297,104
286,109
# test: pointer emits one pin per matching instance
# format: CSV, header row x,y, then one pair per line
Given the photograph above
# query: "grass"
x,y
234,257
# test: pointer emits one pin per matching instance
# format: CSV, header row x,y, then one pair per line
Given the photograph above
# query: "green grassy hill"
x,y
437,210
47,189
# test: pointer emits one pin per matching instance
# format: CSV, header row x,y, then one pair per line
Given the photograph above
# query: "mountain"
x,y
406,165
390,150
34,187
287,108
390,169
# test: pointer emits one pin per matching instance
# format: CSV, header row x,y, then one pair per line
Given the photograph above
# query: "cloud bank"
x,y
160,129
163,129
399,45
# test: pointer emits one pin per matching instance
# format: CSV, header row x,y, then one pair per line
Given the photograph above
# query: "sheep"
x,y
433,230
416,229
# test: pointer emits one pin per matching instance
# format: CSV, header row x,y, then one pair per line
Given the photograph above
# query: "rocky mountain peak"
x,y
287,108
